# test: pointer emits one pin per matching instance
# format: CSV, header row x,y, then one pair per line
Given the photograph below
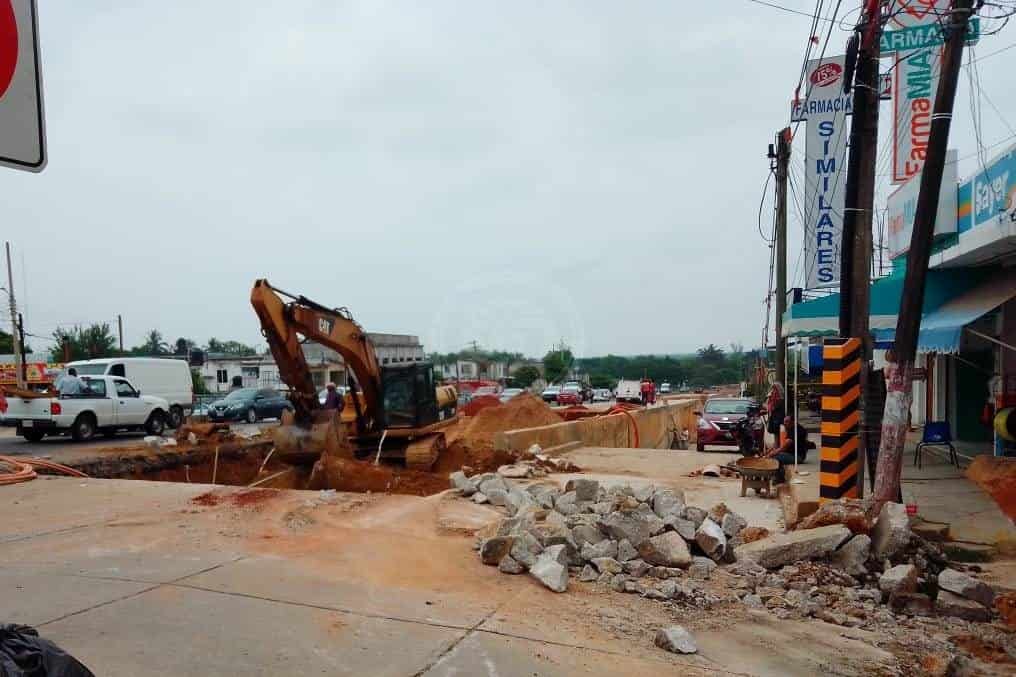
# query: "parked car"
x,y
485,390
509,393
570,395
250,405
168,378
108,405
664,388
602,395
717,419
549,393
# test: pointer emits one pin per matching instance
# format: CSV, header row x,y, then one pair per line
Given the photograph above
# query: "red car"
x,y
718,417
569,395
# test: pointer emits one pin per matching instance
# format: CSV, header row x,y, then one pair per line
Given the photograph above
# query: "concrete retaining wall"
x,y
655,426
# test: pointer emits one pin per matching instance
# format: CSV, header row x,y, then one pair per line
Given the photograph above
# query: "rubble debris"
x,y
891,531
752,534
710,537
997,476
852,557
462,483
781,549
585,490
899,579
495,549
850,512
549,569
667,550
950,604
966,586
676,639
911,604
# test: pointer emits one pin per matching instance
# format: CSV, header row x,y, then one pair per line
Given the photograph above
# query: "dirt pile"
x,y
239,499
471,442
997,476
478,404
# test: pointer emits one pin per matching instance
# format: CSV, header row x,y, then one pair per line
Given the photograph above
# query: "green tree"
x,y
602,381
557,363
91,342
183,346
526,375
198,383
711,355
154,344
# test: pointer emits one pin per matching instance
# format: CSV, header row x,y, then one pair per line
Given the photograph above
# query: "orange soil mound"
x,y
997,476
239,499
478,404
471,442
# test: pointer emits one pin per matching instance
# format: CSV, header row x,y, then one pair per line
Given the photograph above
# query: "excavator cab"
x,y
408,396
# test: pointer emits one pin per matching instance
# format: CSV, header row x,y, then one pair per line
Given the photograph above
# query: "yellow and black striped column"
x,y
841,389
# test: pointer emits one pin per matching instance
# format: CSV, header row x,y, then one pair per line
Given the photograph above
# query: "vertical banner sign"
x,y
826,109
916,82
22,128
841,390
902,206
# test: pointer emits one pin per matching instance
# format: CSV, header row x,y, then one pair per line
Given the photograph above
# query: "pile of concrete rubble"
x,y
647,540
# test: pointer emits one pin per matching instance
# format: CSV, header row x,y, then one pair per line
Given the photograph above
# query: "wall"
x,y
655,429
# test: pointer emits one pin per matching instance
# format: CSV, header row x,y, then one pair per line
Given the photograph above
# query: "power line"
x,y
791,10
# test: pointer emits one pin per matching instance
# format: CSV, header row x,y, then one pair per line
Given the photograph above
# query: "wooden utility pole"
x,y
782,157
899,369
18,357
859,205
119,325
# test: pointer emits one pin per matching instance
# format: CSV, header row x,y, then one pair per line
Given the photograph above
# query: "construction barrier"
x,y
841,392
654,428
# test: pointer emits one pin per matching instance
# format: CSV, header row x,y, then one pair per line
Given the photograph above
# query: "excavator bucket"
x,y
298,444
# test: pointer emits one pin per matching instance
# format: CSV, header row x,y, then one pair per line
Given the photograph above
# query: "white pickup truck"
x,y
110,404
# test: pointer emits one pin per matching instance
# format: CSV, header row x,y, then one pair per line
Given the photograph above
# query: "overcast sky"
x,y
510,173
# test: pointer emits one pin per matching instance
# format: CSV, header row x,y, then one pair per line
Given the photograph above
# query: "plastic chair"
x,y
936,434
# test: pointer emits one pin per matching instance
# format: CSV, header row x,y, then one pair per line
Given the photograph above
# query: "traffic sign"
x,y
22,122
922,36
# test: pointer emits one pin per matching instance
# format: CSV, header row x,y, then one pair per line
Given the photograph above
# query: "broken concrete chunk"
x,y
518,501
525,549
643,493
853,556
496,496
459,481
588,574
494,549
693,514
617,582
732,524
556,520
564,540
966,586
667,502
626,525
604,578
676,639
684,527
635,568
752,601
607,565
898,579
950,604
565,503
513,526
510,565
556,553
891,532
701,568
710,537
585,533
605,548
667,550
480,498
491,483
549,570
668,587
626,551
717,512
781,549
585,490
602,507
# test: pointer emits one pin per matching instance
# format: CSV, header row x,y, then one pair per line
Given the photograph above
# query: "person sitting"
x,y
784,453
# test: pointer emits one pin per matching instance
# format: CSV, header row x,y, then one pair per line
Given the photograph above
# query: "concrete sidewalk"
x,y
145,578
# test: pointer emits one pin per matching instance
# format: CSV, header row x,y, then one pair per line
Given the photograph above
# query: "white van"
x,y
162,377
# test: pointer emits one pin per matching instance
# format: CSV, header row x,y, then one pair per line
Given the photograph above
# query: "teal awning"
x,y
820,317
942,329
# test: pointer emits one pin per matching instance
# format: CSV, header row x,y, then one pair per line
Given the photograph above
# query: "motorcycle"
x,y
749,432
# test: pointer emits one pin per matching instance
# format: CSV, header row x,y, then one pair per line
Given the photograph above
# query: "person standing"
x,y
333,400
776,409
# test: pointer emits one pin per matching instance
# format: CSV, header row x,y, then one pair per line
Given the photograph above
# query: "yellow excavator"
x,y
392,411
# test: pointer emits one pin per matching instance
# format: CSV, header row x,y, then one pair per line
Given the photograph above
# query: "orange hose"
x,y
634,425
26,469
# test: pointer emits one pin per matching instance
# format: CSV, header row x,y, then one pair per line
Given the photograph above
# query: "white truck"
x,y
168,378
110,404
628,390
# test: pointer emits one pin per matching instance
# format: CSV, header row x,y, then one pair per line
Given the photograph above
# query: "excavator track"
x,y
423,452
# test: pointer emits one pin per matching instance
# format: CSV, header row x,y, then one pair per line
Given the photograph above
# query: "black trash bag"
x,y
24,654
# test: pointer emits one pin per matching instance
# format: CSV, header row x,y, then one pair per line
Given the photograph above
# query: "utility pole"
x,y
21,348
782,157
859,205
119,324
18,358
900,362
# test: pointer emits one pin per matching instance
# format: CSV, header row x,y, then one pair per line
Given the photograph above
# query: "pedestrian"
x,y
797,437
644,391
776,409
70,383
652,392
333,400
